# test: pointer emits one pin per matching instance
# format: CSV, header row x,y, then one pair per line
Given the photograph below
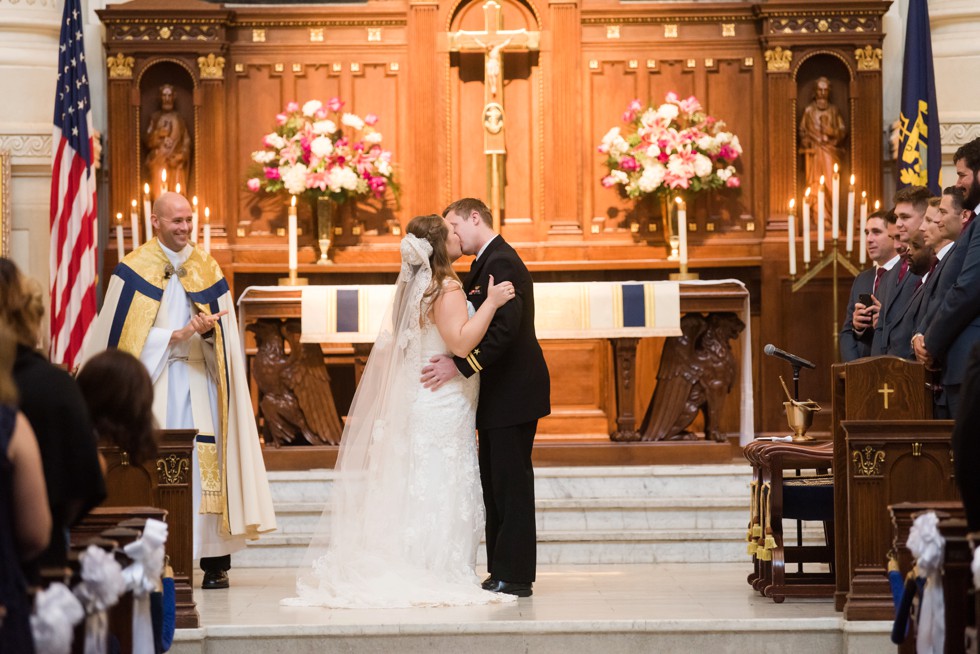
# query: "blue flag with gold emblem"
x,y
919,149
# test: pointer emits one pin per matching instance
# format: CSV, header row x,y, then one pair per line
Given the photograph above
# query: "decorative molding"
x,y
824,23
120,66
374,34
612,31
670,31
26,145
185,31
867,462
316,35
949,133
778,60
727,30
258,36
320,23
868,58
212,66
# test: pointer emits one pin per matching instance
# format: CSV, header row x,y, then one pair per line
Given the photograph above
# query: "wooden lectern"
x,y
886,450
164,482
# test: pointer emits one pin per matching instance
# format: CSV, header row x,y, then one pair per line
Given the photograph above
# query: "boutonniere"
x,y
475,290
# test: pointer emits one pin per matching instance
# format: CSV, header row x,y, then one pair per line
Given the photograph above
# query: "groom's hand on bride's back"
x,y
439,371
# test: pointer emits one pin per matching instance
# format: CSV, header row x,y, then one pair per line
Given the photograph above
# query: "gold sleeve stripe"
x,y
473,362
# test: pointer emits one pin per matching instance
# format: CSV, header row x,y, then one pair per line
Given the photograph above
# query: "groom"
x,y
515,391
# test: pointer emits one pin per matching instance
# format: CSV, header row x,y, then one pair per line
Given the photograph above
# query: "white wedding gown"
x,y
422,507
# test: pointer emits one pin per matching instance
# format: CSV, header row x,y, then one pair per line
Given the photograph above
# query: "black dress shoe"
x,y
510,588
215,579
488,583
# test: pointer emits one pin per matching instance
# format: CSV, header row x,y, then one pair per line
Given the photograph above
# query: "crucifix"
x,y
493,41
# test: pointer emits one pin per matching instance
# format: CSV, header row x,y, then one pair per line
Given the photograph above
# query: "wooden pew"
x,y
163,482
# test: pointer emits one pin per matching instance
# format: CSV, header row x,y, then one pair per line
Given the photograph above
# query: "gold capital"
x,y
778,60
211,66
120,66
868,58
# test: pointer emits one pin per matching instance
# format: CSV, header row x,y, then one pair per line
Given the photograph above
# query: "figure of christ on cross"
x,y
493,42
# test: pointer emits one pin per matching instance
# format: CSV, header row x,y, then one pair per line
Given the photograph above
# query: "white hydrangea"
x,y
263,156
668,111
723,138
736,145
653,151
383,167
352,120
725,173
372,138
649,117
702,165
273,140
321,146
294,178
322,127
620,176
342,178
652,178
708,144
311,107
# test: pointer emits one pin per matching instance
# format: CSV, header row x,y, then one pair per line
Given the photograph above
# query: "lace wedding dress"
x,y
406,516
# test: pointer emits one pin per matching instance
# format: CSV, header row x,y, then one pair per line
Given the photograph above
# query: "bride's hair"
x,y
434,229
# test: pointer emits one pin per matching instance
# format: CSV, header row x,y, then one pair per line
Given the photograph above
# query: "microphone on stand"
x,y
800,362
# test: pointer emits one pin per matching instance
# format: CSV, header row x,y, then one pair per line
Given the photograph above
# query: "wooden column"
x,y
563,202
215,184
427,152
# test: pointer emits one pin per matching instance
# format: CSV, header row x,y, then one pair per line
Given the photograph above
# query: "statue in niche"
x,y
822,129
295,395
697,370
168,144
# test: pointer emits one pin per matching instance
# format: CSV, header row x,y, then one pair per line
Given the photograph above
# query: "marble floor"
x,y
628,608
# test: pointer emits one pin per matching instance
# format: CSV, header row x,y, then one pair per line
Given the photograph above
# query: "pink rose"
x,y
733,182
371,120
609,181
272,173
629,164
321,113
281,119
631,111
292,107
728,153
253,185
672,97
334,104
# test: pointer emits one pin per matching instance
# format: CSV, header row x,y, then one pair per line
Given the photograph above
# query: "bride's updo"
x,y
435,230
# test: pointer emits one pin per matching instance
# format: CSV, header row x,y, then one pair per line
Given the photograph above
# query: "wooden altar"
x,y
752,64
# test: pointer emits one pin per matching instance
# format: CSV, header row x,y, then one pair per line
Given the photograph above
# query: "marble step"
x,y
567,482
584,515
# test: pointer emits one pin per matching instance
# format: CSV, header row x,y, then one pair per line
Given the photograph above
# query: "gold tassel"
x,y
756,531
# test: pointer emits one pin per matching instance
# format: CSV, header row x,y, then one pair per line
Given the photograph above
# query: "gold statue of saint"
x,y
168,144
822,128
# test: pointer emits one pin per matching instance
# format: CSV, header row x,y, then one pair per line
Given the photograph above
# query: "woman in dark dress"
x,y
25,522
54,407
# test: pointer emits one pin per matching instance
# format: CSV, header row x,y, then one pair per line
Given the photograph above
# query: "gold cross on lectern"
x,y
885,392
493,41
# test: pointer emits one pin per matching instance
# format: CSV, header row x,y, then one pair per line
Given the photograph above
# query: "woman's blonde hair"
x,y
21,304
8,352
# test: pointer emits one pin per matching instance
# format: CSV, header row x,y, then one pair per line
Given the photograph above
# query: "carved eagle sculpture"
x,y
678,395
714,355
294,396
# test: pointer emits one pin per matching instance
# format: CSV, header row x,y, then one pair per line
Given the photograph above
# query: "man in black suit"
x,y
515,391
898,285
857,333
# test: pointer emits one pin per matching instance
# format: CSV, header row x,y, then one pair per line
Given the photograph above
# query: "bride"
x,y
405,517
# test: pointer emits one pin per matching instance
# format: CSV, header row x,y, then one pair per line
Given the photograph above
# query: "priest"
x,y
169,304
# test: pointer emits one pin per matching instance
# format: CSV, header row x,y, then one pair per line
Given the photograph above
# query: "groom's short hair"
x,y
465,206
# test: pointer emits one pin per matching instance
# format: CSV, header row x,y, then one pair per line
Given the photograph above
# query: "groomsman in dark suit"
x,y
898,285
955,322
953,328
515,391
858,332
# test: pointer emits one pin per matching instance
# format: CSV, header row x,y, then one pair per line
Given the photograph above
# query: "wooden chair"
x,y
778,497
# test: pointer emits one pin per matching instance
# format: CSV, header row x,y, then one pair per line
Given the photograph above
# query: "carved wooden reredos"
x,y
751,64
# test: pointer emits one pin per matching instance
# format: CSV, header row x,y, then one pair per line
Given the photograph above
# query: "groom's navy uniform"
x,y
515,391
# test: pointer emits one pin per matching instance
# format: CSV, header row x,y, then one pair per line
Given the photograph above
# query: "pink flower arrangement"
x,y
318,150
673,147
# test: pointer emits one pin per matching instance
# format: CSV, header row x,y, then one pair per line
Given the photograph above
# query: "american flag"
x,y
73,205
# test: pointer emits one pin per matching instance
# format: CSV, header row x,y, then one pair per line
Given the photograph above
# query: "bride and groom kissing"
x,y
412,493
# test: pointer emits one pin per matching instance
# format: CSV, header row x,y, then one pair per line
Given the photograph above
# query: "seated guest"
x,y
25,521
53,405
858,332
119,395
898,285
